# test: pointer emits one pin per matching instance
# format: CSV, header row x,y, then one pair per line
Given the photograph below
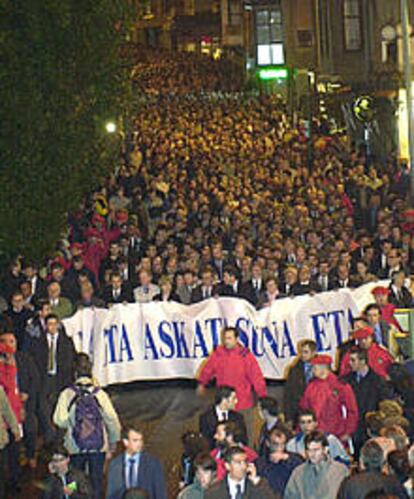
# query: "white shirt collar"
x,y
221,415
233,486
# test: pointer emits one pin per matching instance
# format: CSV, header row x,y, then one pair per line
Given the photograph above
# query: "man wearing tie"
x,y
256,283
343,279
323,279
117,292
53,353
135,468
206,289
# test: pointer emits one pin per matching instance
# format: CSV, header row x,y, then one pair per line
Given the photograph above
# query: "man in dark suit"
x,y
380,262
72,278
30,388
206,289
343,278
233,286
358,254
400,295
298,377
19,317
393,264
256,283
323,280
117,291
110,262
369,389
286,287
305,285
64,480
36,326
241,481
53,353
135,468
222,410
39,290
218,262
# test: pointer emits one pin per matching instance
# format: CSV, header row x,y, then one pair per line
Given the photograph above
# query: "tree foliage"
x,y
61,79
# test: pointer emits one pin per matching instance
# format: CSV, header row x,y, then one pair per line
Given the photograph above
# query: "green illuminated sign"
x,y
273,73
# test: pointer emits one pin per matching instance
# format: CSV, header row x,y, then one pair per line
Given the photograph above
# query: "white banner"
x,y
169,340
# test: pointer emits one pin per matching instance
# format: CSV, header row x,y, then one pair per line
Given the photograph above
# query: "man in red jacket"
x,y
381,295
332,401
379,358
234,365
8,381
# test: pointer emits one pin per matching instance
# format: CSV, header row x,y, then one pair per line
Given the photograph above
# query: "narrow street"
x,y
164,411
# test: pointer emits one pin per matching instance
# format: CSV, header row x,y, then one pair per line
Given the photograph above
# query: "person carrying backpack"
x,y
85,412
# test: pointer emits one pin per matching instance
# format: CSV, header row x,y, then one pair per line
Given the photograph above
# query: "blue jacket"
x,y
150,477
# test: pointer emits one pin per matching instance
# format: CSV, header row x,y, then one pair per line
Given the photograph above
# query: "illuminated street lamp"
x,y
110,127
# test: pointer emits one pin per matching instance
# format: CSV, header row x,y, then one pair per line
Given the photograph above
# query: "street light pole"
x,y
405,23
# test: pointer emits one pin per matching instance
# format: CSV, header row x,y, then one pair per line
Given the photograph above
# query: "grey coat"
x,y
7,419
310,481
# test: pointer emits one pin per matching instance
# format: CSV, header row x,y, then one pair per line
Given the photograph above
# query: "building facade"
x,y
360,52
179,25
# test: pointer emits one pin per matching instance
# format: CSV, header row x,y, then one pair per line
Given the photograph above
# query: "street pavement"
x,y
164,411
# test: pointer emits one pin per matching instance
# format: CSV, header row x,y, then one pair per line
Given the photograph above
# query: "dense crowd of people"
x,y
220,194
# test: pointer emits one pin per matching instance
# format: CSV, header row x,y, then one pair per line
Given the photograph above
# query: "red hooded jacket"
x,y
334,405
237,368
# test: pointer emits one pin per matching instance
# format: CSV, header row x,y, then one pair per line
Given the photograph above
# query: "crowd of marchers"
x,y
220,194
344,430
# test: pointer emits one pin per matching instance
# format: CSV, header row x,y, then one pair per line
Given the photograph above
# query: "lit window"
x,y
269,37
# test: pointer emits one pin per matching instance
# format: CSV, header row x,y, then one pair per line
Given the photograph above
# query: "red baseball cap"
x,y
321,360
380,290
363,332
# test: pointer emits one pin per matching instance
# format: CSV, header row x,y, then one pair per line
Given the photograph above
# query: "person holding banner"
x,y
234,365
